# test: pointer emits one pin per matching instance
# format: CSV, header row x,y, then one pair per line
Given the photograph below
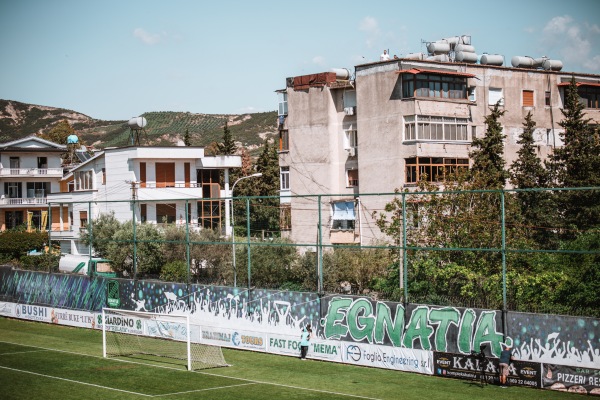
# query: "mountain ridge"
x,y
164,128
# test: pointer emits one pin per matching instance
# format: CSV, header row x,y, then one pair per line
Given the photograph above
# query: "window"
x,y
285,217
104,176
547,99
166,213
284,176
144,212
42,163
438,86
425,127
83,218
432,169
165,175
187,173
495,96
13,219
283,104
590,96
143,174
352,175
15,163
350,98
343,215
528,100
12,190
38,189
350,138
284,140
472,94
83,180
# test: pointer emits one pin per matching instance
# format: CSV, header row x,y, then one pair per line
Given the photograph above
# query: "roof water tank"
x,y
463,56
341,73
414,56
552,65
522,62
537,62
438,47
72,139
137,122
467,48
492,59
453,40
439,57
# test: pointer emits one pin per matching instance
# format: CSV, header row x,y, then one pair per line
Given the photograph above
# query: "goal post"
x,y
134,333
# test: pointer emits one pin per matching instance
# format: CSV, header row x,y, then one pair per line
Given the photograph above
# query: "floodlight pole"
x,y
256,175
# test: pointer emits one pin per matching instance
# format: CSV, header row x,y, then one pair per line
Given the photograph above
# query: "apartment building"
x,y
395,122
157,185
30,170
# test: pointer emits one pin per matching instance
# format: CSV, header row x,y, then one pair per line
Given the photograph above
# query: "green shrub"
x,y
175,271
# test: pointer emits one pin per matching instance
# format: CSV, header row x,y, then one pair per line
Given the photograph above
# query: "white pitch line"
x,y
204,390
22,352
205,373
74,381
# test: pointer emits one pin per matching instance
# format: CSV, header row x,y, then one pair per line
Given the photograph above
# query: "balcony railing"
x,y
162,185
31,171
23,201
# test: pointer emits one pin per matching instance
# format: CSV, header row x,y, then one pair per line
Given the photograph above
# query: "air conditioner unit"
x,y
352,151
349,110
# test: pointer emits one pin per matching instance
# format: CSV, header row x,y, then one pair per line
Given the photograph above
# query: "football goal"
x,y
142,334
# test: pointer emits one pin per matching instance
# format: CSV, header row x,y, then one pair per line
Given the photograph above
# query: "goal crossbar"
x,y
128,333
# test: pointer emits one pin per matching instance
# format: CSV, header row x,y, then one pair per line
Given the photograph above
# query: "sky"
x,y
116,59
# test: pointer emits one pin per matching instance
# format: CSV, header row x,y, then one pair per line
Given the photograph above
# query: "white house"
x,y
146,184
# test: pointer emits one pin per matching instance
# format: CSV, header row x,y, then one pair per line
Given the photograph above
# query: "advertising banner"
x,y
123,324
34,313
234,338
82,319
571,379
483,369
398,358
7,309
319,349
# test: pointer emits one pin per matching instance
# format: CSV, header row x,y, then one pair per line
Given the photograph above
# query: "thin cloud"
x,y
147,37
319,60
572,41
370,26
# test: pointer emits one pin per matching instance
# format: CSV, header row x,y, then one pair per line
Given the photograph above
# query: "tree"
x,y
528,172
103,230
265,210
228,146
148,256
59,132
575,165
488,170
186,138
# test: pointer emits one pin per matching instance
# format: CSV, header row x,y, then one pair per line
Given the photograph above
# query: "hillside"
x,y
164,128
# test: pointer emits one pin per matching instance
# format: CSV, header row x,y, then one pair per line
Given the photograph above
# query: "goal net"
x,y
131,333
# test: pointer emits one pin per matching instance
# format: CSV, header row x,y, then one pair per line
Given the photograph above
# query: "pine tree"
x,y
528,172
186,138
576,164
59,132
265,214
488,170
227,147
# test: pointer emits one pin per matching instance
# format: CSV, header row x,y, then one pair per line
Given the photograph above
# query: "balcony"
x,y
19,201
31,172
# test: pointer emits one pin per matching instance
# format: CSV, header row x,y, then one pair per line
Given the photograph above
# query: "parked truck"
x,y
84,265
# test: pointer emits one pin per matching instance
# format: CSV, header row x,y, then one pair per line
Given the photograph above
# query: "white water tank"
x,y
414,56
467,48
492,59
439,57
463,56
438,47
552,65
137,122
522,62
341,73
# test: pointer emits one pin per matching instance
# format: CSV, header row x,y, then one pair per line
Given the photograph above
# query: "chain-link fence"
x,y
522,250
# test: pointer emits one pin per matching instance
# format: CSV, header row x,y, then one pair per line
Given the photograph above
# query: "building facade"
x,y
397,122
155,185
30,170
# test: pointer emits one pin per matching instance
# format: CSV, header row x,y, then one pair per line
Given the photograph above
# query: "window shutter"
x,y
527,98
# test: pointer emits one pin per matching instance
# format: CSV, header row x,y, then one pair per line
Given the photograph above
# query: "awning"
x,y
579,84
416,71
